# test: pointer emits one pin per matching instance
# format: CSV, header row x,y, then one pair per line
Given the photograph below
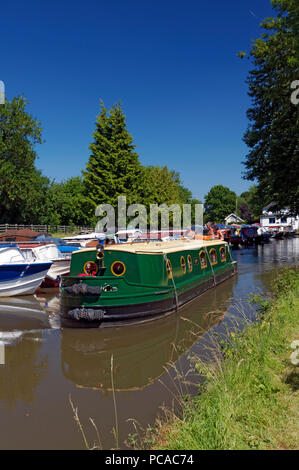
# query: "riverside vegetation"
x,y
249,399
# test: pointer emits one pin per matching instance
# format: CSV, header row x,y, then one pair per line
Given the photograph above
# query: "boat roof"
x,y
162,247
86,236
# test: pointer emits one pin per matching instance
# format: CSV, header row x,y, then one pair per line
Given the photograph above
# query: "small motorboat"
x,y
65,248
19,276
50,252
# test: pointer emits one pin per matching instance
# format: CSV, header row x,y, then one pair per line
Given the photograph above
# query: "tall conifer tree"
x,y
113,168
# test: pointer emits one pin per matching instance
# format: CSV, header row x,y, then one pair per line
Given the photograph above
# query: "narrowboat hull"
x,y
147,288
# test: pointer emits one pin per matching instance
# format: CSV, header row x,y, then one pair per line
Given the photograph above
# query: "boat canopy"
x,y
11,255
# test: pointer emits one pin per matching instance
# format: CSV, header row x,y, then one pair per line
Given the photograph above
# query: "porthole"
x,y
118,268
189,262
183,264
91,268
100,255
213,256
203,259
169,269
222,254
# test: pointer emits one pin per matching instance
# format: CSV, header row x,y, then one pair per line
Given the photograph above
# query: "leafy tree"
x,y
113,168
219,202
245,213
254,202
22,187
65,203
159,185
272,135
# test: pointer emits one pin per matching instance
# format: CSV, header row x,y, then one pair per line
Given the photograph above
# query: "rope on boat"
x,y
174,286
208,258
230,254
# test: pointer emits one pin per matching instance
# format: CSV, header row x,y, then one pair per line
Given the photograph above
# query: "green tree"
x,y
254,201
65,203
272,135
22,187
218,203
159,185
113,168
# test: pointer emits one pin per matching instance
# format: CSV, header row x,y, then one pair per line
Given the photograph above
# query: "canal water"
x,y
151,364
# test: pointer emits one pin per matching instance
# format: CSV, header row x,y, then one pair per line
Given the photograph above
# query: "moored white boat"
x,y
19,276
61,264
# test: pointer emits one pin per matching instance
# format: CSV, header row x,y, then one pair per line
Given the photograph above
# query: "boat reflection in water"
x,y
22,322
22,313
141,352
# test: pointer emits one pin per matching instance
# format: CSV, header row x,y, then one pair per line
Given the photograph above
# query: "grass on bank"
x,y
62,234
250,398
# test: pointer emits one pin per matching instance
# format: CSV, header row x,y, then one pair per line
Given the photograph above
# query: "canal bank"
x,y
249,399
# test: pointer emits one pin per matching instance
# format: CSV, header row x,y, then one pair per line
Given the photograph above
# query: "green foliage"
x,y
248,400
254,202
65,203
160,185
22,187
272,135
113,168
285,281
219,202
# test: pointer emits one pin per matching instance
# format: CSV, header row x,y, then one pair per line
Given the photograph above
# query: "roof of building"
x,y
22,234
235,216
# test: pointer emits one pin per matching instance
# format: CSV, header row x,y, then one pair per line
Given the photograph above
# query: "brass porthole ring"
x,y
118,268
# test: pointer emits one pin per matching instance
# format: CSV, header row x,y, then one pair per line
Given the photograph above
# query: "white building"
x,y
278,220
233,219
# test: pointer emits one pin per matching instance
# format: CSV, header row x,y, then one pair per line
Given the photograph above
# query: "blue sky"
x,y
172,64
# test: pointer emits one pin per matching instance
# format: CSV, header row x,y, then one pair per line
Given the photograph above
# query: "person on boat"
x,y
189,233
210,229
217,233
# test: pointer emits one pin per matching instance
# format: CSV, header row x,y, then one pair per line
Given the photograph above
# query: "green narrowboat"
x,y
138,281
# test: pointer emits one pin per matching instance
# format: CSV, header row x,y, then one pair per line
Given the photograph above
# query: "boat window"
x,y
90,268
169,269
118,268
189,261
183,264
213,256
203,259
222,254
